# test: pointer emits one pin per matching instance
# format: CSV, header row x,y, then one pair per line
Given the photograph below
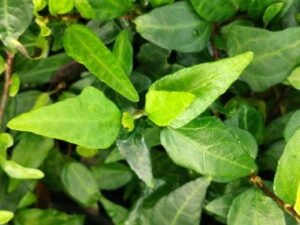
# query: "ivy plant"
x,y
149,112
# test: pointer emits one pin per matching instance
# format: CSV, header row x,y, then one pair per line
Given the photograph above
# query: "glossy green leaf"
x,y
5,216
253,207
157,3
137,154
271,12
123,51
14,86
85,9
206,81
110,9
297,204
98,59
181,206
174,27
200,146
90,120
60,6
15,17
46,217
215,10
80,184
294,78
14,170
111,176
287,177
269,48
161,107
292,125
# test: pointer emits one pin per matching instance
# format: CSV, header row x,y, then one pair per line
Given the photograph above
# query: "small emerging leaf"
x,y
5,216
17,171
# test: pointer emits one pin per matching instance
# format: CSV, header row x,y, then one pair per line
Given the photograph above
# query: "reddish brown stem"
x,y
7,82
214,32
258,182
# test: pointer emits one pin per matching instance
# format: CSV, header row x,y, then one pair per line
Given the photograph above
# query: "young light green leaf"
x,y
42,100
292,125
123,51
157,3
5,216
85,9
297,204
267,67
294,78
137,155
110,9
252,207
2,64
15,85
60,6
90,120
80,184
175,27
271,12
98,59
128,121
206,81
181,206
14,170
86,152
39,5
215,10
287,177
161,107
6,141
200,146
15,17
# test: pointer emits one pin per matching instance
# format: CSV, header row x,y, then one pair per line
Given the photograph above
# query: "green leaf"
x,y
110,9
292,125
294,78
123,51
15,17
98,59
206,81
208,147
271,12
117,213
215,10
80,184
5,216
174,27
157,3
85,9
297,204
161,107
6,141
90,120
137,155
14,86
14,170
128,121
111,176
181,206
60,6
252,207
287,177
270,48
86,152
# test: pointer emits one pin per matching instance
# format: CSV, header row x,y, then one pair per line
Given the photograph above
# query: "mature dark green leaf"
x,y
182,206
15,17
215,10
110,9
252,207
80,184
174,27
98,59
111,176
89,120
208,147
287,177
137,155
271,12
275,54
206,81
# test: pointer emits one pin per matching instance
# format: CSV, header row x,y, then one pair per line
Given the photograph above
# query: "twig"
x,y
214,32
257,181
7,82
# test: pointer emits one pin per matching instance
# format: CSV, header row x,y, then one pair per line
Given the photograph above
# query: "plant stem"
x,y
215,51
258,182
7,82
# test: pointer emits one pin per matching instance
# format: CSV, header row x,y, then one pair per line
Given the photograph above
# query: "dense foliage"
x,y
150,112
